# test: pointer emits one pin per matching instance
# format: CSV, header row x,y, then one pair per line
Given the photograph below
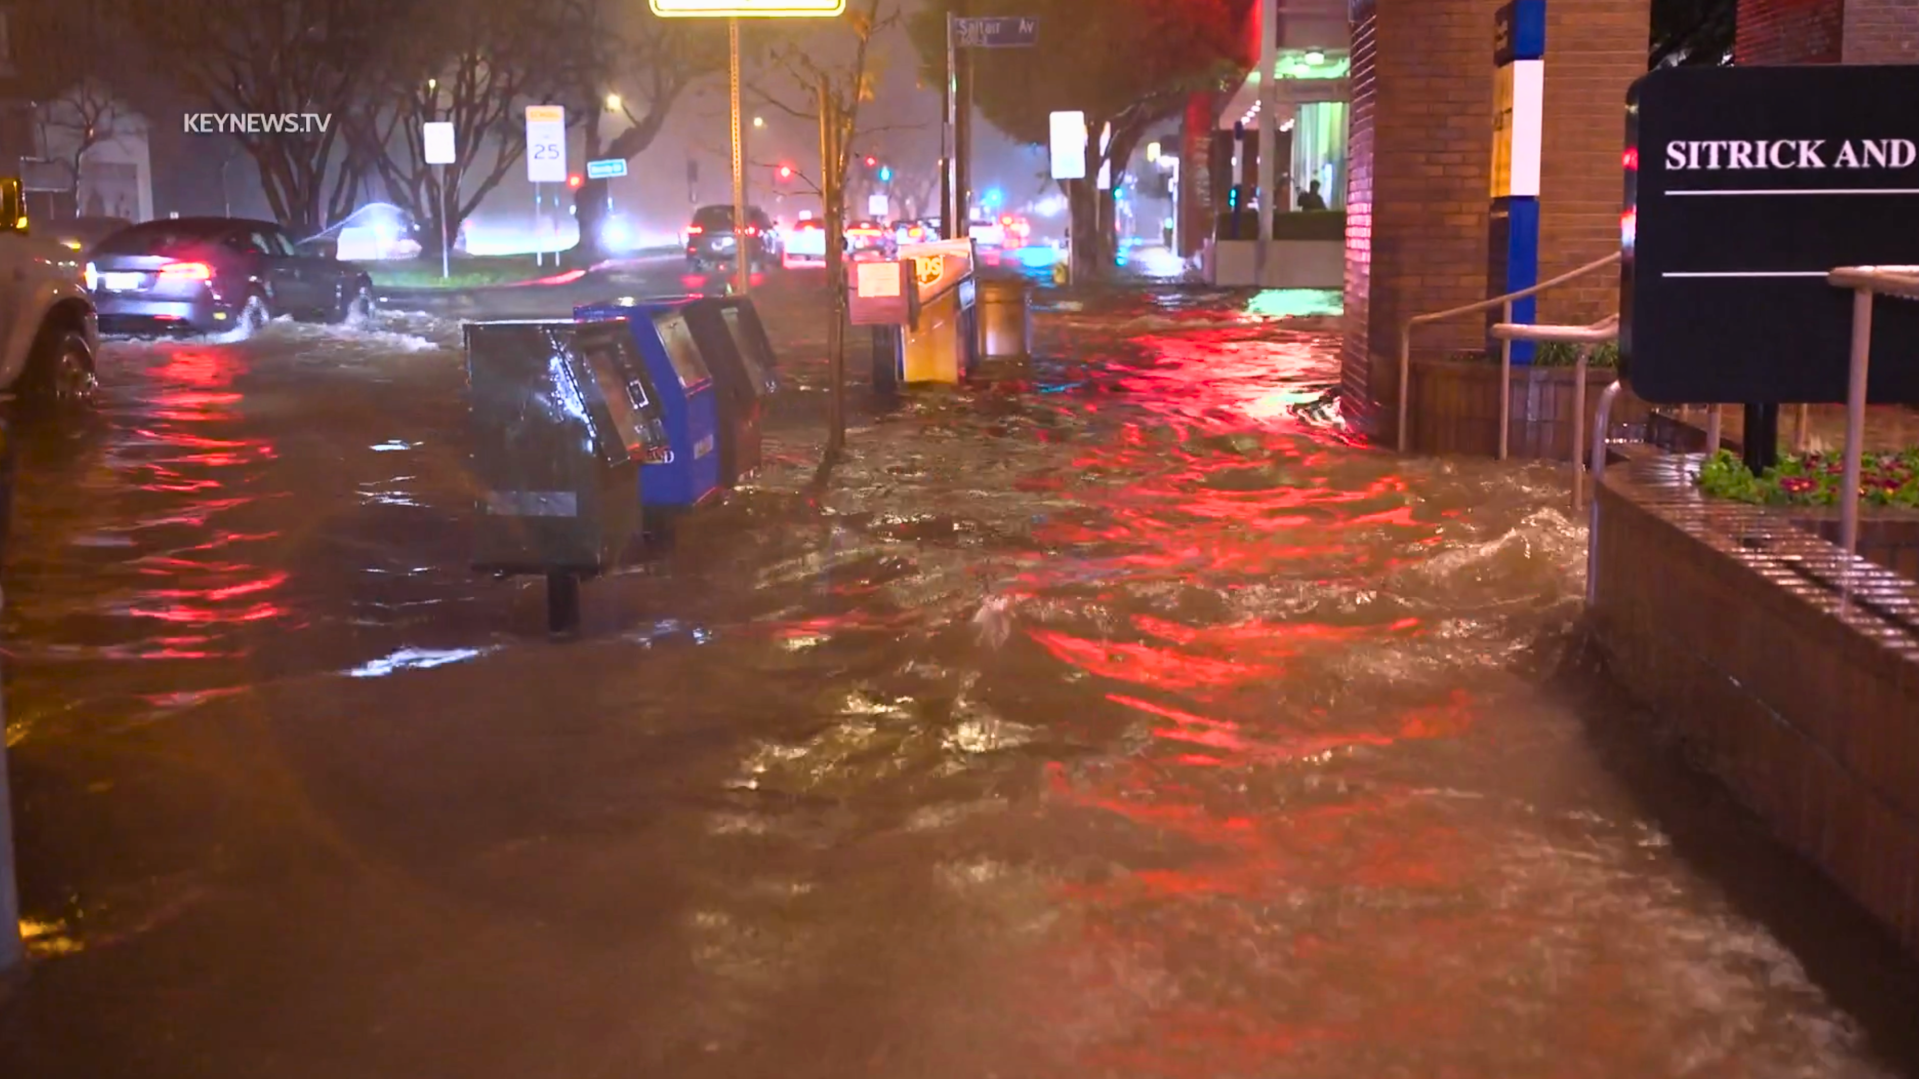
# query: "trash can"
x,y
561,430
1005,319
671,358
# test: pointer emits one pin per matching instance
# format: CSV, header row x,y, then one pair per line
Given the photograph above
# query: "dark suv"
x,y
710,239
216,273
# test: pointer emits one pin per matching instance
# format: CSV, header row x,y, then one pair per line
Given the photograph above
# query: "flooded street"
x,y
1130,722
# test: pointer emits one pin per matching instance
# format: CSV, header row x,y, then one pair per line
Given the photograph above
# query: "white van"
x,y
49,331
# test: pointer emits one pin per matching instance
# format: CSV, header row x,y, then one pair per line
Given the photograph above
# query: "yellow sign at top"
x,y
748,9
546,114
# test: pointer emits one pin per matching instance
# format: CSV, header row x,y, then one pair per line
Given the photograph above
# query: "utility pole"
x,y
832,205
949,156
740,238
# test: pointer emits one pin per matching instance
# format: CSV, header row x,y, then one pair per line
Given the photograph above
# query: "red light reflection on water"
x,y
195,472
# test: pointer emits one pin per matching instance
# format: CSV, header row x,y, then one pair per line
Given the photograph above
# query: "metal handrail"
x,y
1505,350
1866,282
1606,329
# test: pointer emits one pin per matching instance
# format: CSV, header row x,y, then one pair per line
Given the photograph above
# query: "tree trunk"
x,y
589,209
589,204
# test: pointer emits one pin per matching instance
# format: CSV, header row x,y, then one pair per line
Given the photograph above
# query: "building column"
x,y
1420,175
1268,132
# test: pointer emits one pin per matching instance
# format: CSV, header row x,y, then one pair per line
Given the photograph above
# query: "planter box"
x,y
1725,619
1455,409
1887,537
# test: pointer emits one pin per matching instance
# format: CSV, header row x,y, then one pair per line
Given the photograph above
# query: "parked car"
x,y
987,231
203,274
807,245
82,233
711,242
48,333
922,231
869,241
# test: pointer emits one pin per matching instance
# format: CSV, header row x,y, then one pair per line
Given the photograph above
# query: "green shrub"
x,y
1815,479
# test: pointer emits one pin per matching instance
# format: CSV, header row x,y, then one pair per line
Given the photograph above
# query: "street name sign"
x,y
1068,144
606,168
1745,186
747,9
436,139
996,32
546,144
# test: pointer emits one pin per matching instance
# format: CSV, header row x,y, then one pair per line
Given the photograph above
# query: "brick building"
x,y
1827,32
1420,175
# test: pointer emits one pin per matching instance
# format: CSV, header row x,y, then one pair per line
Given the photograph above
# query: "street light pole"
x,y
744,273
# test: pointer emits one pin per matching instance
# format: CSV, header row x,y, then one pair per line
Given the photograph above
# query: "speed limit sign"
x,y
546,144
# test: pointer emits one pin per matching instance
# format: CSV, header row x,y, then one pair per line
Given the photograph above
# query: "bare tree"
x,y
805,59
75,62
310,63
472,67
632,66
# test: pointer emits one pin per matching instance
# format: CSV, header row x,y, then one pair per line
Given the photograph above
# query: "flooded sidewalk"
x,y
1130,720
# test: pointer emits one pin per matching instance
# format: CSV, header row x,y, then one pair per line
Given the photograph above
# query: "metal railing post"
x,y
1579,426
1601,424
1505,384
1506,301
1405,378
1855,426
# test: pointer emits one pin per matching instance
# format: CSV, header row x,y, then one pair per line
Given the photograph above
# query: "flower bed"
x,y
1815,479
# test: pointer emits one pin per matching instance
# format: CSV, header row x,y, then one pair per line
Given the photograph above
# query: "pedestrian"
x,y
1311,199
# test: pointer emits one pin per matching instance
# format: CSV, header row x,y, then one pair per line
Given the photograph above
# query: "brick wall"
x,y
1422,85
1420,153
1594,51
1807,710
1357,388
1790,31
1881,32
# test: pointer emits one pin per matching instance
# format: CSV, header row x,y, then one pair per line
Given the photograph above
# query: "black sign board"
x,y
1744,187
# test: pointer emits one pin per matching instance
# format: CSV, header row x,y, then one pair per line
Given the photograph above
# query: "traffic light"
x,y
886,174
872,161
574,181
786,172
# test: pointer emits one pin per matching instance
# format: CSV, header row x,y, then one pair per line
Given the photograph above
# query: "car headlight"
x,y
73,245
91,276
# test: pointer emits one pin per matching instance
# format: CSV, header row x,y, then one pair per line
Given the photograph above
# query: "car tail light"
x,y
187,271
752,231
694,230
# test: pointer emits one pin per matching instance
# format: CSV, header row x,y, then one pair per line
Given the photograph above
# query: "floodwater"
x,y
1128,722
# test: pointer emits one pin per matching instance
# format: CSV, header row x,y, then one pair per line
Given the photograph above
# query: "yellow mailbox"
x,y
942,343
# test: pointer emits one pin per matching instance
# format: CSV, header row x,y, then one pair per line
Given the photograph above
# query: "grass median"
x,y
466,271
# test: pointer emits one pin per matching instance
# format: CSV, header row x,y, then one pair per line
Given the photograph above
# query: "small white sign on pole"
x,y
437,139
876,206
546,144
1068,144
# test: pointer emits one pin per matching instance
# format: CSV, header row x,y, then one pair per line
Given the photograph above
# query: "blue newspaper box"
x,y
740,382
688,399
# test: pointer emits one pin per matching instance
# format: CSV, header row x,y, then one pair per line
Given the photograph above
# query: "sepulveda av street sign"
x,y
1744,187
746,9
